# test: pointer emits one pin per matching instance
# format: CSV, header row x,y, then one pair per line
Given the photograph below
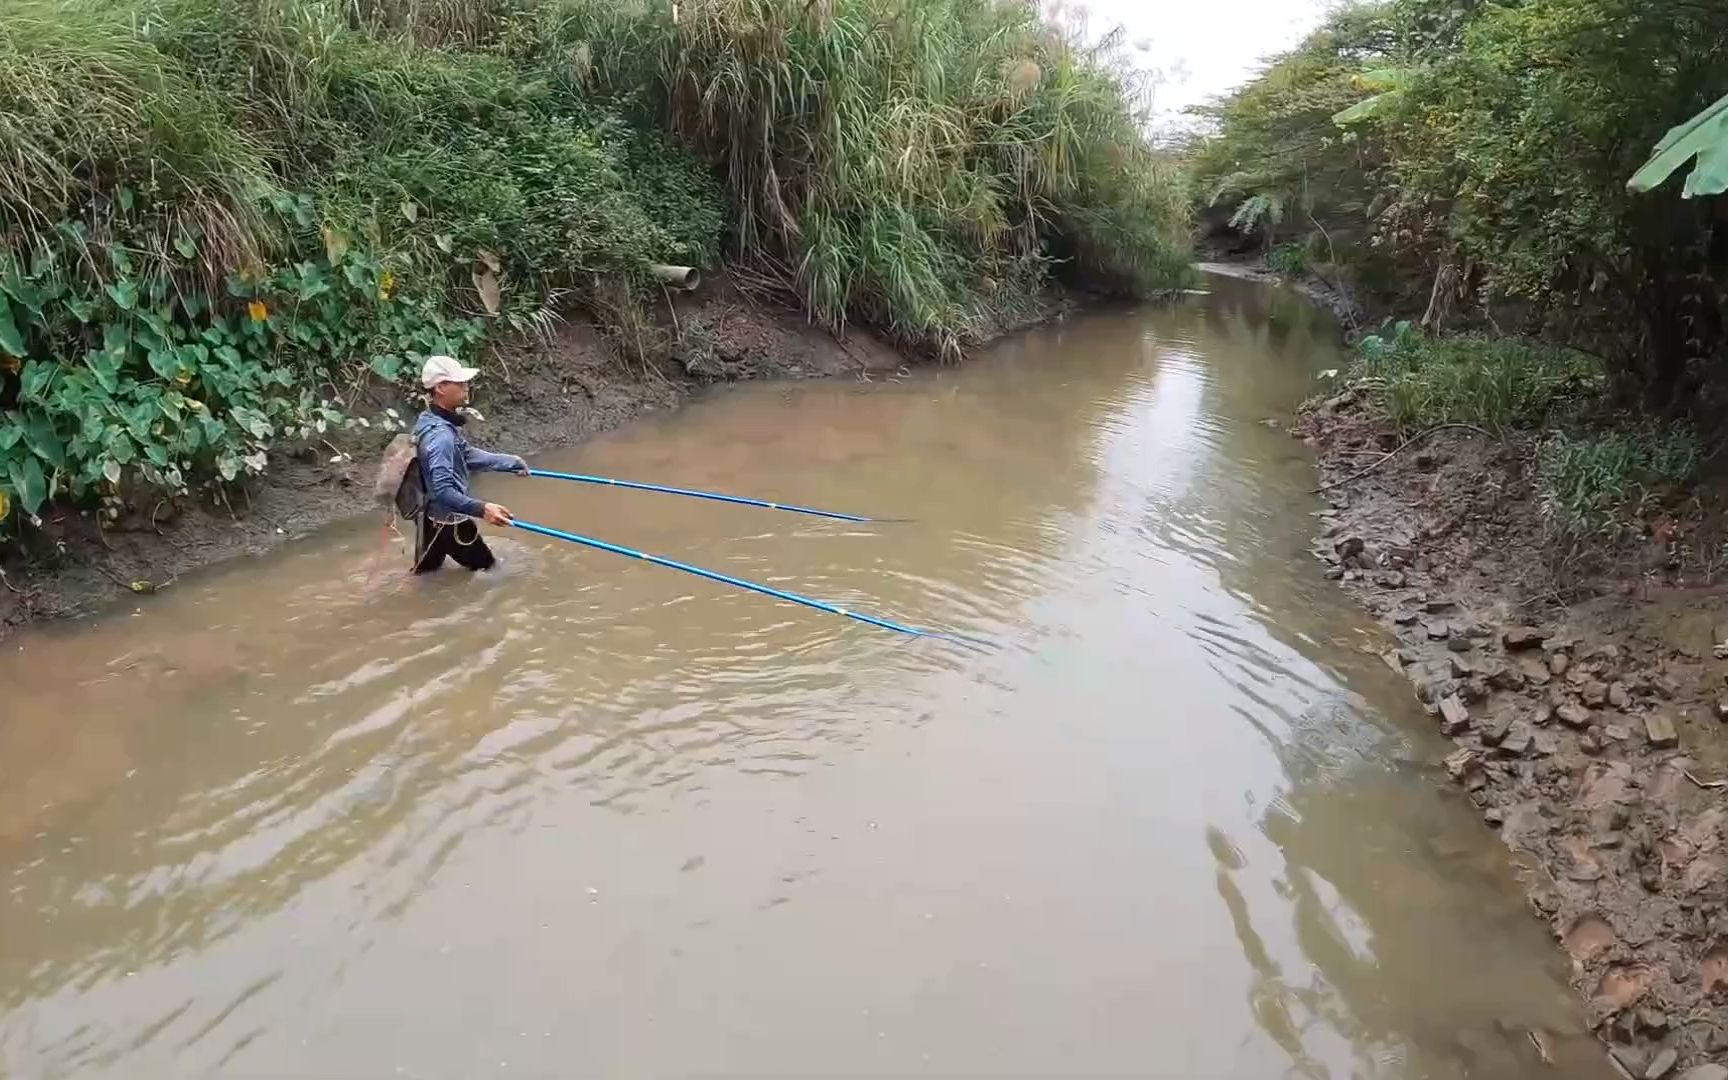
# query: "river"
x,y
303,816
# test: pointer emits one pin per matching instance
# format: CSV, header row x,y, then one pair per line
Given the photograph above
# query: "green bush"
x,y
1499,384
1288,259
219,216
1598,484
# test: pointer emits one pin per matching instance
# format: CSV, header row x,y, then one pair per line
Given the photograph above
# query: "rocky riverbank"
x,y
535,395
1589,719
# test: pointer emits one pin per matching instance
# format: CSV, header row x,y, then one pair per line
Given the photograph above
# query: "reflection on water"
x,y
307,817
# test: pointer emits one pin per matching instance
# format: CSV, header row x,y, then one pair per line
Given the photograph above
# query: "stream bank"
x,y
1589,732
534,396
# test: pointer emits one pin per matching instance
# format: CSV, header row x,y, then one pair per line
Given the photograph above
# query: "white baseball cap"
x,y
441,369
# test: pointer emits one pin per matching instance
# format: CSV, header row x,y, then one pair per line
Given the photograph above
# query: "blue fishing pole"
x,y
715,496
727,579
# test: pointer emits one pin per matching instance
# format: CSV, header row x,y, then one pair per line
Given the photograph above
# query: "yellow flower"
x,y
386,284
258,311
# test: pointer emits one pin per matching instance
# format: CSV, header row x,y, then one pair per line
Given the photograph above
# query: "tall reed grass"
x,y
904,160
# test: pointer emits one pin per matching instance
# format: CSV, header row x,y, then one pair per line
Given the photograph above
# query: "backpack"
x,y
399,485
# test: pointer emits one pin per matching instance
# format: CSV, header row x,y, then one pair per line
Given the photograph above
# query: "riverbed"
x,y
306,816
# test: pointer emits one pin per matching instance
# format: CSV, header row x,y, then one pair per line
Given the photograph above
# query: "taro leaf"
x,y
82,310
446,242
228,465
387,366
124,294
1704,137
164,362
410,211
111,471
40,436
186,246
29,483
26,294
38,374
10,433
10,339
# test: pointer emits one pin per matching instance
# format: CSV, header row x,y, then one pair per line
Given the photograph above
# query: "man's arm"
x,y
438,454
485,461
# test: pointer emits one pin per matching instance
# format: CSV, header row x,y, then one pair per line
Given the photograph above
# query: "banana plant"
x,y
1704,137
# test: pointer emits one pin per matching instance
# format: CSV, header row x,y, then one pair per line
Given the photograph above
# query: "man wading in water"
x,y
447,527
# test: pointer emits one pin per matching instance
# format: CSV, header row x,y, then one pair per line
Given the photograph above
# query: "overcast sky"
x,y
1203,47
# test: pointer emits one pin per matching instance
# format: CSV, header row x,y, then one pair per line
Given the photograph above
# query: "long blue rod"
x,y
726,579
713,495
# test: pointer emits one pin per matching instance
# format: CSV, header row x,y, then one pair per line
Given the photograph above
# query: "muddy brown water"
x,y
304,817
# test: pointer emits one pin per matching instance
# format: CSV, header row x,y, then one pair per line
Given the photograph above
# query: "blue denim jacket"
x,y
446,459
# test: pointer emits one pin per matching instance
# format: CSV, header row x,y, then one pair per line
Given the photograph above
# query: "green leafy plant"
x,y
1703,138
1288,259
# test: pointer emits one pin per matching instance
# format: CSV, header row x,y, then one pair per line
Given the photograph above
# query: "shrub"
x,y
216,214
1288,259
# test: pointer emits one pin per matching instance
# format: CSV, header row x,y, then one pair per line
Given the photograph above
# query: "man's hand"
x,y
497,515
519,467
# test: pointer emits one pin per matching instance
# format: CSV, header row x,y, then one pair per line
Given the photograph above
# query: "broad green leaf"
x,y
38,374
82,310
127,199
1704,137
105,366
410,211
10,339
164,362
27,295
186,246
43,441
121,446
30,484
228,465
157,453
387,366
11,433
111,471
446,242
124,294
121,258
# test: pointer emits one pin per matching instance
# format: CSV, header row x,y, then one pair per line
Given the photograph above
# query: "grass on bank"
x,y
1597,473
219,217
917,165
